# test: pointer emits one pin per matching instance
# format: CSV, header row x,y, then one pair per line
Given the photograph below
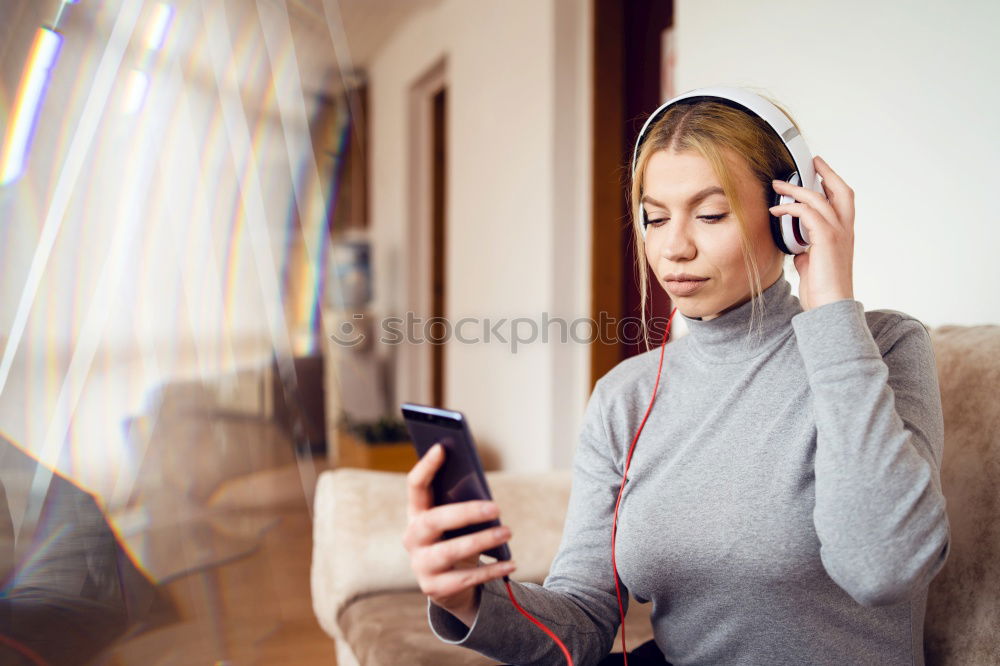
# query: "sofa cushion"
x,y
360,518
963,607
391,628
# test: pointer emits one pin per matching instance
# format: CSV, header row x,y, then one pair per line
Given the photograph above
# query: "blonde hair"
x,y
712,128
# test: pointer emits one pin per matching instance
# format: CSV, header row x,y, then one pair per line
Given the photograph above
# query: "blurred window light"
x,y
158,26
28,103
135,92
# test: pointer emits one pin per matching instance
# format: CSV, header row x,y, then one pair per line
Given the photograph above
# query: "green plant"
x,y
385,429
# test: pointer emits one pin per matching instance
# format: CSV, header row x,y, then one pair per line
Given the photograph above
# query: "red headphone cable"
x,y
569,659
614,525
24,650
628,461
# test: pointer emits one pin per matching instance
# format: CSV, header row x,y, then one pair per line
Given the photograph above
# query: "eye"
x,y
710,219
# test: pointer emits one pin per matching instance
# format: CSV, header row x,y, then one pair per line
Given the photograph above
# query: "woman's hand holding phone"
x,y
449,571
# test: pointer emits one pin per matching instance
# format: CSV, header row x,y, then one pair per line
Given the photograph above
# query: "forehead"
x,y
670,171
679,175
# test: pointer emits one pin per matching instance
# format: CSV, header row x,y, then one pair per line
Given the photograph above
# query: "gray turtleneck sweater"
x,y
783,505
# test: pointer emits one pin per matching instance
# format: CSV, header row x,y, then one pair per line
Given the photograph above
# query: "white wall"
x,y
517,206
901,100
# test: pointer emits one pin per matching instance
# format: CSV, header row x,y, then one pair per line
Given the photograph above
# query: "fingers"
x,y
816,225
447,571
831,180
836,210
837,191
443,555
454,582
838,204
805,195
418,480
426,527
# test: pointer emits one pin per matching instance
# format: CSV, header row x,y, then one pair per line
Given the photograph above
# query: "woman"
x,y
784,504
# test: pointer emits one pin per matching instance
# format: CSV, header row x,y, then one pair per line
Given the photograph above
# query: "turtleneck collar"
x,y
727,338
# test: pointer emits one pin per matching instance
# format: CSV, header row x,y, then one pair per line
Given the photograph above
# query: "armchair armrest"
x,y
360,516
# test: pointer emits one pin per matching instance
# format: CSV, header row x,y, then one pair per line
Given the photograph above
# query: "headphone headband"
x,y
753,103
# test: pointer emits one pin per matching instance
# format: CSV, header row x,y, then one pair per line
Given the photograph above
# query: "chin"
x,y
693,311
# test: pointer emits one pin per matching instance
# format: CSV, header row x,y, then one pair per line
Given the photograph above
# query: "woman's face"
x,y
684,201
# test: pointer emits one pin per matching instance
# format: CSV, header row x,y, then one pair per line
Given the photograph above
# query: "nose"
x,y
676,243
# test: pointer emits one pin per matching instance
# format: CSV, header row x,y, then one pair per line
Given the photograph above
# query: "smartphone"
x,y
460,477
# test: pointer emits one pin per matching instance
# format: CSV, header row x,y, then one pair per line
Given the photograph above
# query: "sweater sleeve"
x,y
577,600
880,513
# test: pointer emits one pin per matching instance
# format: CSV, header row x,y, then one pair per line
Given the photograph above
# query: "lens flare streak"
x,y
28,104
86,129
158,27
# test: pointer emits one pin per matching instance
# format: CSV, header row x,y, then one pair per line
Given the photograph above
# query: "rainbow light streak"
x,y
34,82
34,557
242,148
246,57
159,25
336,179
292,110
135,92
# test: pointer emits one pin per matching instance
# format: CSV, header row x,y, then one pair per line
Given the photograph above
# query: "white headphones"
x,y
788,235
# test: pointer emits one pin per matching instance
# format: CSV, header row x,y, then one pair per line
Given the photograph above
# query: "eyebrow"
x,y
707,192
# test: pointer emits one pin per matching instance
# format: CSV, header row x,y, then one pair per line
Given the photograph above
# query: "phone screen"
x,y
460,477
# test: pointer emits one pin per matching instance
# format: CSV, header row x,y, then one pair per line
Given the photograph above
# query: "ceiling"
x,y
364,26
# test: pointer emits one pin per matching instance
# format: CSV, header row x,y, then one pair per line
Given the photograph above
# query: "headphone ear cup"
x,y
790,235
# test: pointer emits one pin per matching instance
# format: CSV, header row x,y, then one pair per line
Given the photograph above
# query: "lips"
x,y
684,287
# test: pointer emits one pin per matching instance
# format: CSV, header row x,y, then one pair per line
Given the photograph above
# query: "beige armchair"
x,y
367,600
365,594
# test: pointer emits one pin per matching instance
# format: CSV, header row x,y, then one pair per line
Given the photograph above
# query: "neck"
x,y
728,337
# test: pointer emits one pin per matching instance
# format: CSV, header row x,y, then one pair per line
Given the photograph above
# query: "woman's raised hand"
x,y
449,571
826,271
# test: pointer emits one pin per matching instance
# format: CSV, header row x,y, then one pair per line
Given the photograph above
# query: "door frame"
x,y
416,362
